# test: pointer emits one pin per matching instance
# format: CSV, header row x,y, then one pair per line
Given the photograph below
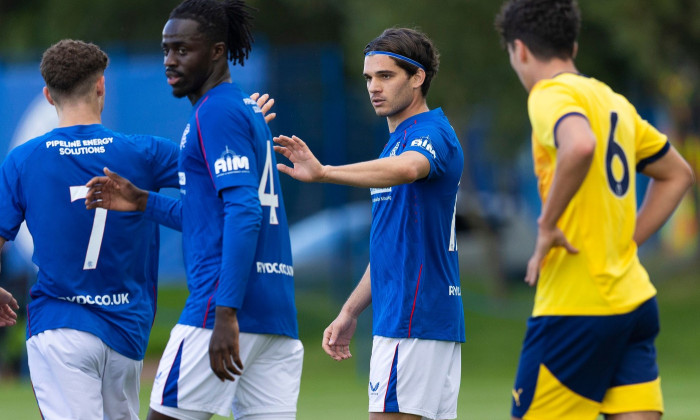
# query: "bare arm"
x,y
8,304
386,172
576,146
671,176
336,338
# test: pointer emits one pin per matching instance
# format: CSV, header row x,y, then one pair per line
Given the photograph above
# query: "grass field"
x,y
494,332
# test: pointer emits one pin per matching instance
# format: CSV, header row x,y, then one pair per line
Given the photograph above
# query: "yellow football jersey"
x,y
605,277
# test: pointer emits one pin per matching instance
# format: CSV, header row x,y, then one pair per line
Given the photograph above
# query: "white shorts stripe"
x,y
414,376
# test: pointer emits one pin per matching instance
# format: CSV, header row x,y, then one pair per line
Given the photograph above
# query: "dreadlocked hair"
x,y
228,21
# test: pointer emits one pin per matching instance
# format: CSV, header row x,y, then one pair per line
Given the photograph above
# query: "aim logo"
x,y
231,162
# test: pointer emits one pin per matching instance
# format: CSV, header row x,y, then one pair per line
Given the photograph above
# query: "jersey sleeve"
x,y
11,200
242,220
432,144
547,107
650,143
227,145
164,163
164,210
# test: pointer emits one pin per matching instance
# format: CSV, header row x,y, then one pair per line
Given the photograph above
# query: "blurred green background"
x,y
644,49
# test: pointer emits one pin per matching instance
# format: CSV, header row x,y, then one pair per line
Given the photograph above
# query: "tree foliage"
x,y
643,48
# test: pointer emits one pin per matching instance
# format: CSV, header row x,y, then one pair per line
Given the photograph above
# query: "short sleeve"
x,y
430,143
227,142
548,105
164,163
650,143
11,201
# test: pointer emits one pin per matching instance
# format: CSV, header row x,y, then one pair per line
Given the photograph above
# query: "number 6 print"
x,y
98,229
618,187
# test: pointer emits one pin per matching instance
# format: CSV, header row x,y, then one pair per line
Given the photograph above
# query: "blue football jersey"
x,y
97,269
227,145
413,250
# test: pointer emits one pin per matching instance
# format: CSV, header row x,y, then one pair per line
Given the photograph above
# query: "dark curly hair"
x,y
549,28
229,21
409,43
71,67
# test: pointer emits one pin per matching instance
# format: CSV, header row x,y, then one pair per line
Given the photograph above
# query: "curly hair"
x,y
549,28
70,68
409,43
230,21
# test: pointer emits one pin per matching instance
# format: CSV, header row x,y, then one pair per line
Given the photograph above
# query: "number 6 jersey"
x,y
605,277
97,269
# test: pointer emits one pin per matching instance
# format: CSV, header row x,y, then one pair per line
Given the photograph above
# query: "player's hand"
x,y
224,356
336,338
8,306
306,167
113,192
547,238
265,103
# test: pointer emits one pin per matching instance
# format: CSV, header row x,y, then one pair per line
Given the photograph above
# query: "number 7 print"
x,y
98,229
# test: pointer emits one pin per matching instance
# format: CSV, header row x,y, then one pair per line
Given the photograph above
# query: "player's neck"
x,y
551,68
417,106
80,113
220,75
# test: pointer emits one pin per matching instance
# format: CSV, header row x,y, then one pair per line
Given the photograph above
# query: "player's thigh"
x,y
636,387
567,365
414,376
65,367
121,382
184,380
639,415
271,378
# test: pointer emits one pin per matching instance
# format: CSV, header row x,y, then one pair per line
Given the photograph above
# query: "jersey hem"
x,y
591,311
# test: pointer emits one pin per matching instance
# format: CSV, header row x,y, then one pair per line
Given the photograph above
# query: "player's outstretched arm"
x,y
113,192
265,103
337,336
671,177
8,306
378,173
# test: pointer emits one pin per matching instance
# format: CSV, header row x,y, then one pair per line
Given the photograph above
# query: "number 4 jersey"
x,y
605,277
97,269
234,227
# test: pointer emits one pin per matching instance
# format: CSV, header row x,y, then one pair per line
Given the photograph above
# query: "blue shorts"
x,y
575,367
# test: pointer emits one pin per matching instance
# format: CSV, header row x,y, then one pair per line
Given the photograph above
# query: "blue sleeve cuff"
x,y
164,210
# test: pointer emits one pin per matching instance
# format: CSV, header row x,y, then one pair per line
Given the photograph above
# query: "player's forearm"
x,y
242,220
378,173
164,210
572,168
360,298
660,201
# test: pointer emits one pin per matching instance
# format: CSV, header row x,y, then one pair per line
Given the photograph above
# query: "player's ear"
x,y
100,86
47,95
520,51
418,78
218,50
574,50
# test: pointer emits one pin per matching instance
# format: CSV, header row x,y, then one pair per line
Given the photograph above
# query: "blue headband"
x,y
400,57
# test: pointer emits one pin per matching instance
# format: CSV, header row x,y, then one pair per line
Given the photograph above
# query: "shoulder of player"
x,y
221,107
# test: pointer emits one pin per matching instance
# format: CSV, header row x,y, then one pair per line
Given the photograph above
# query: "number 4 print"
x,y
269,199
98,229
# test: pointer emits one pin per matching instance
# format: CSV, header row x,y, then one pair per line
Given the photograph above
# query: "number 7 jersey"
x,y
605,277
97,269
